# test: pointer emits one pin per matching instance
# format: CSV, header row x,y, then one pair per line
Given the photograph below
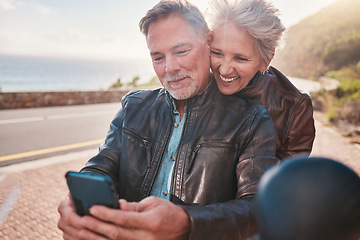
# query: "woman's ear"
x,y
263,68
266,65
273,54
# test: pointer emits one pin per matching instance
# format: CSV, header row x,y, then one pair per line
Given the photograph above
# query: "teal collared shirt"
x,y
162,185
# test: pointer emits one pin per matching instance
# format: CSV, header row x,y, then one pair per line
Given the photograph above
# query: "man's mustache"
x,y
177,76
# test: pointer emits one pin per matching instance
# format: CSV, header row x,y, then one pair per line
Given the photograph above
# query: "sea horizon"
x,y
34,73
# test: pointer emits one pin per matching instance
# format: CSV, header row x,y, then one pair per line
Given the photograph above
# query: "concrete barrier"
x,y
12,100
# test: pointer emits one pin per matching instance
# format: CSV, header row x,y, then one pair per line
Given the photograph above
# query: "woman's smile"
x,y
228,79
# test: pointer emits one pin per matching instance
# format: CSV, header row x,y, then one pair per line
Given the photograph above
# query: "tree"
x,y
117,84
134,81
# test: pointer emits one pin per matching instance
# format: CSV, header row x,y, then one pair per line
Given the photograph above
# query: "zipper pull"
x,y
148,151
146,143
197,148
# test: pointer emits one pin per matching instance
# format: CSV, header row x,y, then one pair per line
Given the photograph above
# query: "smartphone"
x,y
89,189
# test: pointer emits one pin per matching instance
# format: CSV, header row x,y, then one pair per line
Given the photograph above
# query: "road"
x,y
306,86
28,134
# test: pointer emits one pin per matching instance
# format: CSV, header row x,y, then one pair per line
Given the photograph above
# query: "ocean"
x,y
28,74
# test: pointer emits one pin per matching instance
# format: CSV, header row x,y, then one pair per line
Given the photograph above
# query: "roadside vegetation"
x,y
154,82
343,103
328,44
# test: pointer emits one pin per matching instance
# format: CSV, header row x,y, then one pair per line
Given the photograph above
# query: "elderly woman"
x,y
245,35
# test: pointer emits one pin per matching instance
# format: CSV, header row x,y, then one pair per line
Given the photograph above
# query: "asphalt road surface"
x,y
28,134
306,86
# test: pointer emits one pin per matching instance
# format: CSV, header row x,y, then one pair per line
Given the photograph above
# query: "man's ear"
x,y
210,37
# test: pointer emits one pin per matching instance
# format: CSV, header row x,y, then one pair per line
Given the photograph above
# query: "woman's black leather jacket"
x,y
226,146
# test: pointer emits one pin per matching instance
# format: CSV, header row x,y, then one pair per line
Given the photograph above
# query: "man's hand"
x,y
73,225
152,218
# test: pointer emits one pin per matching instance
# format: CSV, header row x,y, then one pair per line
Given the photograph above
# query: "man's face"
x,y
180,59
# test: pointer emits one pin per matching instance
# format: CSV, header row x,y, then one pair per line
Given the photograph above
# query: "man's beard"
x,y
184,90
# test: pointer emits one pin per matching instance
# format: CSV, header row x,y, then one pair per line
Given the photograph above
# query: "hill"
x,y
326,41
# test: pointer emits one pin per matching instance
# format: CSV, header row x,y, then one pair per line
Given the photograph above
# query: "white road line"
x,y
21,120
76,115
54,117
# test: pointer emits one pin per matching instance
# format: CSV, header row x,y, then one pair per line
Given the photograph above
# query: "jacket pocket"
x,y
134,164
232,147
136,145
211,173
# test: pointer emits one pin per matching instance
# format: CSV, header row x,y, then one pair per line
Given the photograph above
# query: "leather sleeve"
x,y
106,162
235,219
227,221
300,132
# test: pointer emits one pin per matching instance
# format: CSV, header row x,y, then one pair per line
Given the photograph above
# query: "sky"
x,y
97,29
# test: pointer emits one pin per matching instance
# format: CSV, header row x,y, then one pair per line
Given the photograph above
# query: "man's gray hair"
x,y
259,17
180,8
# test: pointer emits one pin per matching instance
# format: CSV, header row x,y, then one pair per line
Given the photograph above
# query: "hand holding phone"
x,y
89,189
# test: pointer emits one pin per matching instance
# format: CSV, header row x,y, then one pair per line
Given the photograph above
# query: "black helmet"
x,y
309,199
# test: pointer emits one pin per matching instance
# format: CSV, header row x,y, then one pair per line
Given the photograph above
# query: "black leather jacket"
x,y
226,146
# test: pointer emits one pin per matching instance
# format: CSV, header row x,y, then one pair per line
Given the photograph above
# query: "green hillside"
x,y
326,41
328,44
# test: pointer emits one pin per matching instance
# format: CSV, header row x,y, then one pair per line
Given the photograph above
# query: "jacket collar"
x,y
254,84
205,96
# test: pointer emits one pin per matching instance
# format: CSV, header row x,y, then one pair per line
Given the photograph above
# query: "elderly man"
x,y
186,158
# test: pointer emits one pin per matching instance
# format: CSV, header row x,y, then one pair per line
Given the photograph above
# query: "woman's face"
x,y
234,59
